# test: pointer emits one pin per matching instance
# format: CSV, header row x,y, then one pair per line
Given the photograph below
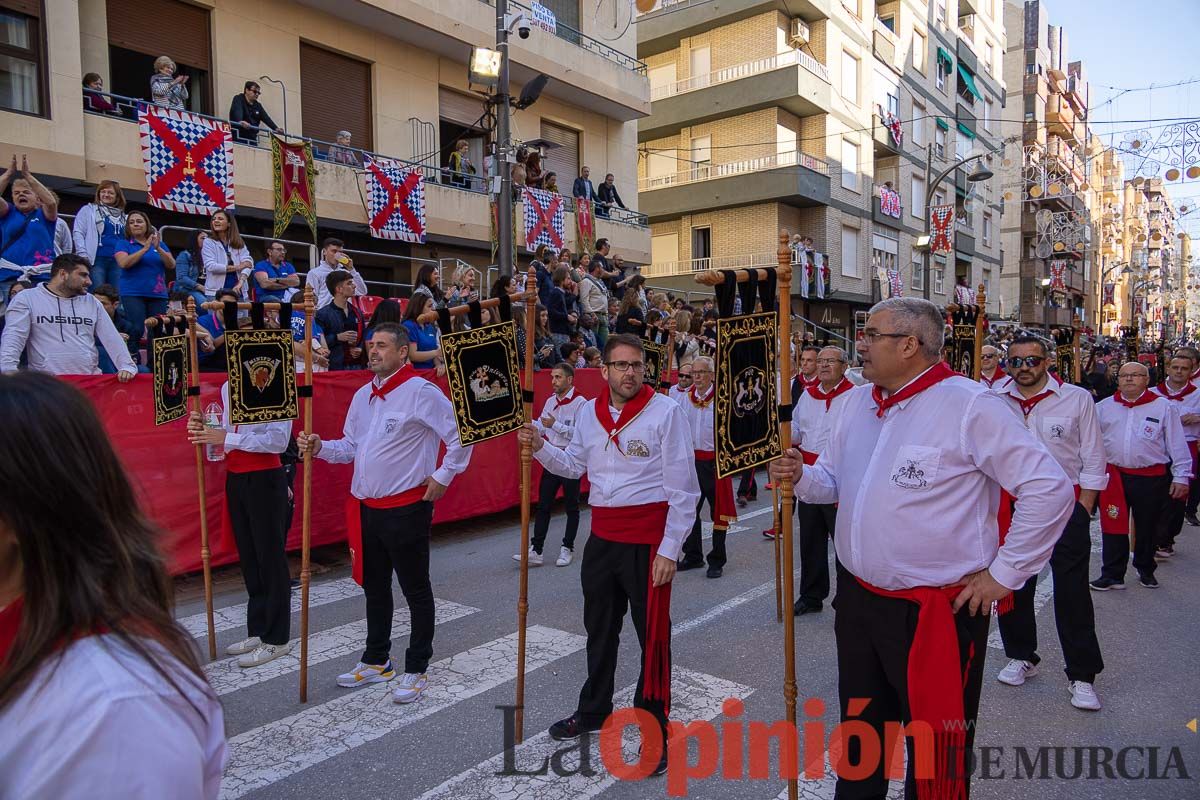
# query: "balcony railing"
x,y
738,71
705,172
126,109
664,268
586,42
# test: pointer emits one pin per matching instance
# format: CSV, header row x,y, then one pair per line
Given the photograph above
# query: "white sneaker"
x,y
244,646
410,688
1017,671
1083,695
535,558
565,554
362,674
264,653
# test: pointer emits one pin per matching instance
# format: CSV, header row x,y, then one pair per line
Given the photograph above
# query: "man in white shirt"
x,y
806,375
683,383
631,442
557,424
332,258
1179,389
917,462
814,412
393,430
1064,418
1145,445
1193,501
990,373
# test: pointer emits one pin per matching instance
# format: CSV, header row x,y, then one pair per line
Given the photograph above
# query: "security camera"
x,y
518,22
523,29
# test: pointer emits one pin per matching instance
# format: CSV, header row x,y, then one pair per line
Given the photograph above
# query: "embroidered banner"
x,y
890,204
169,356
747,407
484,379
1129,335
543,219
262,376
1058,271
941,223
395,200
585,225
1064,354
656,360
188,160
1110,294
292,164
962,340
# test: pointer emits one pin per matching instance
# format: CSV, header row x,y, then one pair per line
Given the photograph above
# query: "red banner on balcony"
x,y
292,164
1058,273
188,160
941,223
889,202
585,225
1110,294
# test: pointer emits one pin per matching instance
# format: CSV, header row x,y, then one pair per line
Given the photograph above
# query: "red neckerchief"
x,y
1187,389
629,412
844,386
810,382
1146,397
1027,405
401,375
935,374
10,621
997,375
566,398
1195,375
704,402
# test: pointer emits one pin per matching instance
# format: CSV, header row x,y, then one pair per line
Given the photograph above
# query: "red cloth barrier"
x,y
161,463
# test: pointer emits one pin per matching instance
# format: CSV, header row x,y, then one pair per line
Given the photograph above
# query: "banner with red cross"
x,y
941,222
188,160
543,219
892,123
585,225
1058,271
889,202
395,200
1110,294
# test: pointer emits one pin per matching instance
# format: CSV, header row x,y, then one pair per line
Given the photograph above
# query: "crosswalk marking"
x,y
226,676
271,752
234,616
695,696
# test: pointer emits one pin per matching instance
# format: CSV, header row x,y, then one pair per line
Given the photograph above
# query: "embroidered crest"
x,y
910,476
391,425
488,383
749,392
261,371
1112,511
636,448
1057,431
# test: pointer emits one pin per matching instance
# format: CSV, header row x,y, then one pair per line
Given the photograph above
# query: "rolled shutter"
x,y
31,8
335,94
460,108
139,25
563,159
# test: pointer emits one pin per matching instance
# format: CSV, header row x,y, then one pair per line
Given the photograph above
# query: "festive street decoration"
x,y
1058,272
892,123
941,223
543,219
395,200
1174,155
585,224
889,202
895,283
292,165
188,160
1110,294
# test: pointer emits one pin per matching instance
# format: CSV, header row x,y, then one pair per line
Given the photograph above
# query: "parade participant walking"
x,y
1179,389
392,432
697,405
683,383
916,462
816,408
557,424
256,498
990,373
631,442
1064,418
1149,464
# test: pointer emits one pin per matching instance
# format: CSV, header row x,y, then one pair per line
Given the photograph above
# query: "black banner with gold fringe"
x,y
485,378
262,376
169,356
962,339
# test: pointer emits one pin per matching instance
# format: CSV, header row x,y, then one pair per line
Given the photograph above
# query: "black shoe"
x,y
1191,519
1105,584
568,729
713,572
741,501
689,563
661,769
1148,580
753,498
803,607
294,583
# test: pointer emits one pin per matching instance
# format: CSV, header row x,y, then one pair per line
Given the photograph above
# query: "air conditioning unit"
x,y
799,35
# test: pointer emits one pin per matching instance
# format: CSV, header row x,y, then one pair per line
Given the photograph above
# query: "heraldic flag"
x,y
293,168
585,224
543,219
395,200
188,160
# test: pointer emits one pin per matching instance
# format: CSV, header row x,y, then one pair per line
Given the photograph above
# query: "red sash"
x,y
354,522
645,524
239,461
840,389
1004,522
935,374
696,399
10,623
1114,508
809,457
724,510
629,412
935,685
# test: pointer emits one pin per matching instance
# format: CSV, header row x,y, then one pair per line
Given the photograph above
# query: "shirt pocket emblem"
x,y
1150,428
915,467
1056,427
391,424
636,448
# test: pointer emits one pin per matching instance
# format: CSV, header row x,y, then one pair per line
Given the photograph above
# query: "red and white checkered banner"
x,y
1110,295
892,123
941,223
1058,275
895,283
188,160
395,200
889,202
585,224
543,219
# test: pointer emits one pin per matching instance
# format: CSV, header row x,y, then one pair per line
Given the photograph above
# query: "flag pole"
x,y
526,480
306,503
980,331
777,537
205,553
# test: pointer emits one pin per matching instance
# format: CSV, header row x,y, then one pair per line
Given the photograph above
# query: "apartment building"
x,y
769,115
1157,286
1112,257
394,74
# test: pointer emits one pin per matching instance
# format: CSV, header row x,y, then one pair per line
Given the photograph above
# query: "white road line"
x,y
226,676
695,696
271,752
234,616
730,604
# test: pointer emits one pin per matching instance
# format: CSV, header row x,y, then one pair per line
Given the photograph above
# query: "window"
x,y
661,165
563,159
918,273
920,51
662,81
917,207
941,74
889,22
22,77
325,74
939,198
786,140
664,248
987,57
849,165
987,229
939,278
918,124
893,104
701,156
133,45
849,251
700,64
885,245
987,114
702,247
939,13
939,142
962,145
849,78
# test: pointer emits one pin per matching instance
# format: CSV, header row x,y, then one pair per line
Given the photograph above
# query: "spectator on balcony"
x,y
93,101
550,184
429,276
27,227
534,177
225,255
341,322
247,115
609,199
98,225
964,295
212,357
144,262
131,332
189,267
274,278
630,317
425,350
342,152
460,164
583,187
166,88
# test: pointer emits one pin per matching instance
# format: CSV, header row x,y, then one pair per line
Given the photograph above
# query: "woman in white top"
x,y
101,694
225,255
98,225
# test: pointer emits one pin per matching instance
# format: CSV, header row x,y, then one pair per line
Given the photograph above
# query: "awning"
x,y
969,80
941,123
944,55
965,131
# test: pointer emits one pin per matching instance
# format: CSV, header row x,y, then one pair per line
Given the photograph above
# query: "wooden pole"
x,y
205,553
777,538
1076,377
664,379
980,331
526,481
464,309
306,503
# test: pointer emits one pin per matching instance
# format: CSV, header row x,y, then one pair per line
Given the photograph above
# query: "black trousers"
x,y
397,539
1147,496
547,491
747,486
816,524
1073,613
873,636
615,577
258,511
693,548
1193,501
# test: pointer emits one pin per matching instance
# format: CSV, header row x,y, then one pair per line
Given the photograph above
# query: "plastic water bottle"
x,y
212,419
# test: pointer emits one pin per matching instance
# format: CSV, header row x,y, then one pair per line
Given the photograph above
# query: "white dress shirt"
x,y
919,488
811,420
700,418
1187,405
559,433
1145,436
393,441
316,279
1066,423
645,469
261,437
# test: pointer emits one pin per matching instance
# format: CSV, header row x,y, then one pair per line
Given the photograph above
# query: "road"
x,y
726,645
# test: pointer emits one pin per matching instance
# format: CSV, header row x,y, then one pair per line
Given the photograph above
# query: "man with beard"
x,y
1179,389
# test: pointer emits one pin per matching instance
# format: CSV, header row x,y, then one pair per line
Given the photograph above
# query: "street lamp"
x,y
980,173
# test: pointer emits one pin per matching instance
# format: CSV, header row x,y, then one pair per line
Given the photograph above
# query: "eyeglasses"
x,y
873,337
829,362
256,91
1027,361
639,367
702,372
988,355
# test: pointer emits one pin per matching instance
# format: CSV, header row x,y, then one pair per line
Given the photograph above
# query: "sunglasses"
x,y
1027,361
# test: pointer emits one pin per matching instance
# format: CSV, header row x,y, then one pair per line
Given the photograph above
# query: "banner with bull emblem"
x,y
292,164
543,219
188,160
395,200
962,340
1064,354
485,381
262,376
169,356
747,405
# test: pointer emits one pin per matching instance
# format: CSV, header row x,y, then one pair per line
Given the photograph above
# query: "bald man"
x,y
990,373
